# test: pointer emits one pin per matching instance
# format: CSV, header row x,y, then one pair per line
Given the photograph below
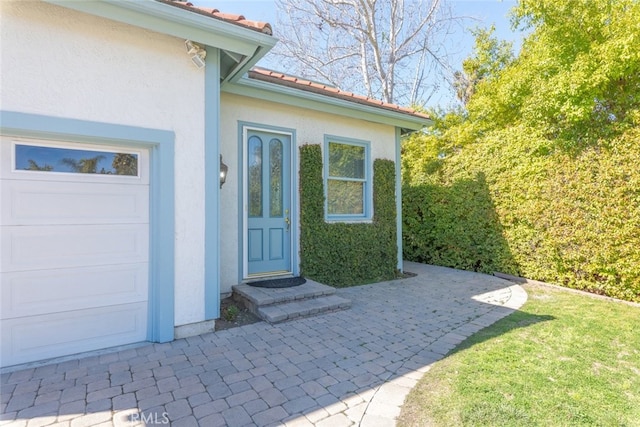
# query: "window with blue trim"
x,y
347,181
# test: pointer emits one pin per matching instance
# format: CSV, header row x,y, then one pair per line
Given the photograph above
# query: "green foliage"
x,y
346,254
89,165
442,227
577,78
230,313
539,175
125,164
558,217
490,56
34,166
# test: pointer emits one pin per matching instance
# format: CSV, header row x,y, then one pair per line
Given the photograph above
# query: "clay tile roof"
x,y
263,27
323,89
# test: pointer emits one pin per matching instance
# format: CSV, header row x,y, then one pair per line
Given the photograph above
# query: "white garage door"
x,y
74,250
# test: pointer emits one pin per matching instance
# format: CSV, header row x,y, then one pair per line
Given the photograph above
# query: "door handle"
x,y
286,219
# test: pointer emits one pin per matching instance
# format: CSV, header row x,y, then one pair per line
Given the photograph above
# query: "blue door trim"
x,y
160,144
243,128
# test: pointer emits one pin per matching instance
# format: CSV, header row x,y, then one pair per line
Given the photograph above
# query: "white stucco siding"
x,y
62,63
310,127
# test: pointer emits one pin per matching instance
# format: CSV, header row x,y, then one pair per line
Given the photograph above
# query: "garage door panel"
x,y
64,246
74,248
51,291
52,335
48,203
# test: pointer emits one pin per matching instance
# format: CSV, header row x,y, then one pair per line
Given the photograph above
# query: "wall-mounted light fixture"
x,y
197,53
223,172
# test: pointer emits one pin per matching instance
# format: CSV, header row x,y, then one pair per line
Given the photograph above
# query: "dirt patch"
x,y
242,315
406,274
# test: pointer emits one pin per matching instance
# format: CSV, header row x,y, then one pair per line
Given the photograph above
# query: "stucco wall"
x,y
66,64
310,127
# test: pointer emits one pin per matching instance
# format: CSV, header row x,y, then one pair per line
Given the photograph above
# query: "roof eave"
x,y
162,17
291,96
244,66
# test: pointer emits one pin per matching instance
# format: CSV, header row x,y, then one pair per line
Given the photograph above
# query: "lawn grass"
x,y
563,359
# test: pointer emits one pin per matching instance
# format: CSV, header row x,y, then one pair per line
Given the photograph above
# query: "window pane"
x,y
51,159
255,176
345,197
346,161
275,178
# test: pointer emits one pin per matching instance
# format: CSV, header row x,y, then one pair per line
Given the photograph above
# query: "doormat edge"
x,y
287,282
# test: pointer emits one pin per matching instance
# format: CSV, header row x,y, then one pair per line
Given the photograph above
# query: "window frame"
x,y
367,197
141,166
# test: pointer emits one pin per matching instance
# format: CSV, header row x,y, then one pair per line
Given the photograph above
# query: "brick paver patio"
x,y
346,368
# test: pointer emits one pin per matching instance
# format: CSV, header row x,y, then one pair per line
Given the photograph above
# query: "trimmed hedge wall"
x,y
455,226
514,203
346,254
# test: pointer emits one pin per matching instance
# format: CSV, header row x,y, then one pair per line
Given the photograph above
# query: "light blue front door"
x,y
268,190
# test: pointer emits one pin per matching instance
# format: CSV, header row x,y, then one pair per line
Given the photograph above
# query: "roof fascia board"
x,y
245,65
300,98
166,19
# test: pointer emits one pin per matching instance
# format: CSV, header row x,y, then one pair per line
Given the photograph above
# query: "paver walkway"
x,y
352,367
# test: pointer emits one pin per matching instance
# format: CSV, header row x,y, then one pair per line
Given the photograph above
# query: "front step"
x,y
281,304
302,308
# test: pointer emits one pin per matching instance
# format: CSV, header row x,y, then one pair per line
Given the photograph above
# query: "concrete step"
x,y
267,296
277,313
279,305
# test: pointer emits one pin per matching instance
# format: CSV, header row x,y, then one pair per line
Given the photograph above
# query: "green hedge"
x,y
346,254
442,227
511,202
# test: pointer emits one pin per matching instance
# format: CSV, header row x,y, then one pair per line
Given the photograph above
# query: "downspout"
x,y
400,265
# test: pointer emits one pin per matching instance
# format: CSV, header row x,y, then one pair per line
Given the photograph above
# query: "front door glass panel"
x,y
275,178
255,177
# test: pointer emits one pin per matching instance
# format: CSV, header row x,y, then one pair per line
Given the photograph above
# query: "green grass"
x,y
563,359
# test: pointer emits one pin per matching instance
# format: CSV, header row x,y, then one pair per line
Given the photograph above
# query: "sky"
x,y
480,13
